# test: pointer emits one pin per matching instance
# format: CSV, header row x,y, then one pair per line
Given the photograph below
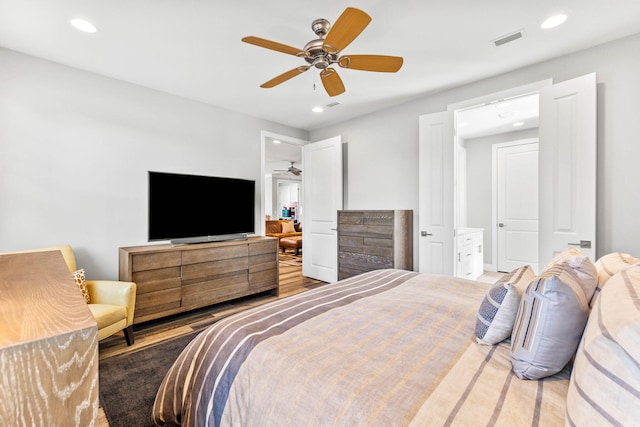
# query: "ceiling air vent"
x,y
333,104
509,38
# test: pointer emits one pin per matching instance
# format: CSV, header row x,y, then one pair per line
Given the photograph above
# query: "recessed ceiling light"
x,y
83,25
317,109
518,124
275,141
554,21
509,114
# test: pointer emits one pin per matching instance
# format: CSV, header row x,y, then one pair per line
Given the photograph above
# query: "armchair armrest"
x,y
115,293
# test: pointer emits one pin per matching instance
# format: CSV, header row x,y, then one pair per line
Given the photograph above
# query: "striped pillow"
x,y
610,264
497,313
551,318
583,267
605,382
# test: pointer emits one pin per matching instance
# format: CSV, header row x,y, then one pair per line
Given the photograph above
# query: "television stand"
x,y
175,279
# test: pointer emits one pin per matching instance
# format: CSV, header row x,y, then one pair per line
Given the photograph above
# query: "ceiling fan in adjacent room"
x,y
292,169
324,51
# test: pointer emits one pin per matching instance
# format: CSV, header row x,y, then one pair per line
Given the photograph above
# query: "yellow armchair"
x,y
112,302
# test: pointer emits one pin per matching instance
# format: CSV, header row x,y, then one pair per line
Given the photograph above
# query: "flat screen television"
x,y
187,208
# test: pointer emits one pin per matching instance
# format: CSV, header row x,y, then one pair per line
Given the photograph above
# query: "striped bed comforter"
x,y
386,348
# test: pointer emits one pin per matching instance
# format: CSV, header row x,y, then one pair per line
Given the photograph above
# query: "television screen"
x,y
190,208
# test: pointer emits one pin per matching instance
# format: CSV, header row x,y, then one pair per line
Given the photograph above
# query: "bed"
x,y
385,348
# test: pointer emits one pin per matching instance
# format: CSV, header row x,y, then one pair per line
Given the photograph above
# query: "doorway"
x,y
567,173
281,176
480,129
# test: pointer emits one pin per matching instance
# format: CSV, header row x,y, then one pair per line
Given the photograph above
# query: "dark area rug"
x,y
129,382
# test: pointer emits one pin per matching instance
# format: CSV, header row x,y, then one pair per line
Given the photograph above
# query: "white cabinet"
x,y
470,257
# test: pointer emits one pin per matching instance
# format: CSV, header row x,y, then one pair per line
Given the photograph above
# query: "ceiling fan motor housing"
x,y
318,56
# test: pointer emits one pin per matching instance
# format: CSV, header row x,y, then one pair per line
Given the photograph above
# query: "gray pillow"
x,y
497,312
551,318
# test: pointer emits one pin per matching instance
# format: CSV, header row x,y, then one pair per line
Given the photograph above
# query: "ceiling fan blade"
x,y
332,82
285,76
346,28
273,45
382,63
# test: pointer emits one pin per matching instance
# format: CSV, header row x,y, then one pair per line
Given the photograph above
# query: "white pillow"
x,y
497,312
610,264
605,382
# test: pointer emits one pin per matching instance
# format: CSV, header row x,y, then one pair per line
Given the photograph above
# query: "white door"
x,y
568,167
436,193
517,205
322,199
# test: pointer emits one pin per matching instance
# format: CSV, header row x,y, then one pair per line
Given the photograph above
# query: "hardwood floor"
x,y
291,282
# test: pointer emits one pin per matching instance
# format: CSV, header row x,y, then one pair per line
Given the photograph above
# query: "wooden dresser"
x,y
173,279
374,239
48,344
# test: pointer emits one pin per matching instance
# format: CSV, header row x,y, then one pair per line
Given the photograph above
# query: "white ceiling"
x,y
499,116
193,48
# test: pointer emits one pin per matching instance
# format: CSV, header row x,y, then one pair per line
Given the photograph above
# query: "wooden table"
x,y
48,344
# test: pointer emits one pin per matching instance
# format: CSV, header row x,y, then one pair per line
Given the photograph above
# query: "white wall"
x,y
383,147
75,149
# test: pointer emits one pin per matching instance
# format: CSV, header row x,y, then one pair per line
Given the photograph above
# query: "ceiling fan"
x,y
292,169
324,51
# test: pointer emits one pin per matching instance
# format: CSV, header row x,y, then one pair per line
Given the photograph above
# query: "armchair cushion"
x,y
112,292
110,319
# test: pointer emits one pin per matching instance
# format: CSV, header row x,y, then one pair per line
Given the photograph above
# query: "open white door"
x,y
568,167
436,193
322,199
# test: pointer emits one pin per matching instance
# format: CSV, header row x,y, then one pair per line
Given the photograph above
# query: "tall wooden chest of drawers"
x,y
373,240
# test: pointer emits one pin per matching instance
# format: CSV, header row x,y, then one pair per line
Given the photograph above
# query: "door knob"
x,y
425,234
502,224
